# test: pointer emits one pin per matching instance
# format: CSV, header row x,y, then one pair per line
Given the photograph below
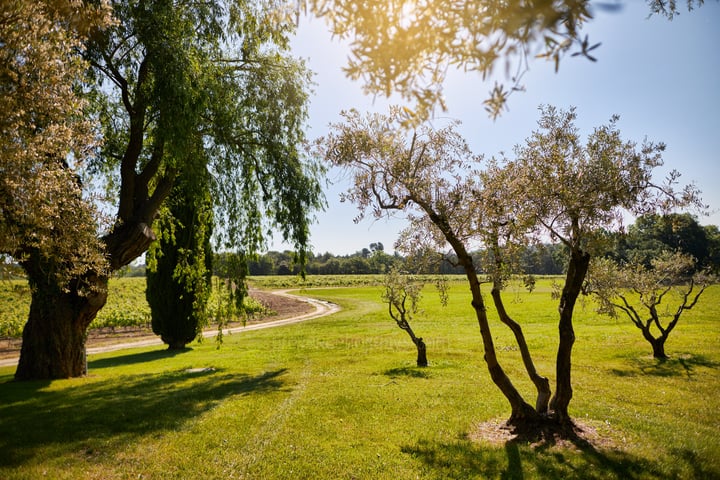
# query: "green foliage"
x,y
558,185
402,295
184,89
651,235
15,302
670,8
181,89
273,282
652,297
223,307
45,140
126,307
366,261
180,266
337,397
408,47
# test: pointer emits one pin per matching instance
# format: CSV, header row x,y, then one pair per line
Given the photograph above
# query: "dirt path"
x,y
287,308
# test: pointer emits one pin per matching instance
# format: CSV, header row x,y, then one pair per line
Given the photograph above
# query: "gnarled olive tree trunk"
x,y
422,360
542,384
577,270
521,411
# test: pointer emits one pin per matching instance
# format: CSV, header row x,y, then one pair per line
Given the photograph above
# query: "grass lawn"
x,y
340,398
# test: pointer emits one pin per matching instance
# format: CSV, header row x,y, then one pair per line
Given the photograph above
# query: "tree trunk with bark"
x,y
403,323
422,360
577,270
542,384
521,411
418,341
658,346
53,341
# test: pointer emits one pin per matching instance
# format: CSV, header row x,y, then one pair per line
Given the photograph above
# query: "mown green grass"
x,y
340,397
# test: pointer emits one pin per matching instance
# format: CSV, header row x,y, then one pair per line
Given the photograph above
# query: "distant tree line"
x,y
651,234
645,240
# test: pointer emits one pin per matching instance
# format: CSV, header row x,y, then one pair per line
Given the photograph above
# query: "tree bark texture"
x,y
577,270
422,360
53,342
542,384
658,346
419,343
521,411
127,242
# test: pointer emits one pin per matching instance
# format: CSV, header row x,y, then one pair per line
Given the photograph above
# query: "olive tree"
x,y
504,234
431,176
575,191
556,185
653,298
402,294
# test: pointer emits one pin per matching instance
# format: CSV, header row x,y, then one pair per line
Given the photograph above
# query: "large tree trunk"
x,y
54,336
577,269
53,342
658,346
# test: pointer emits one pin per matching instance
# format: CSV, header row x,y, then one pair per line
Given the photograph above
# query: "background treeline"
x,y
643,241
542,260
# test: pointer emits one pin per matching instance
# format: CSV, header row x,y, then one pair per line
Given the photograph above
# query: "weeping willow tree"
x,y
169,80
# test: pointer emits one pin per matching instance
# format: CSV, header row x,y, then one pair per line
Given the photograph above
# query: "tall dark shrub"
x,y
179,266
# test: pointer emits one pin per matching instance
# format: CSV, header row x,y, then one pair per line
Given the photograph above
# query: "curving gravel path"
x,y
321,309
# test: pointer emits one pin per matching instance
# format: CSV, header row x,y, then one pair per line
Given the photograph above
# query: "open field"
x,y
126,307
340,397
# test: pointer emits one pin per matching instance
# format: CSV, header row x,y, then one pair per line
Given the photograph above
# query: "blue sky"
x,y
662,77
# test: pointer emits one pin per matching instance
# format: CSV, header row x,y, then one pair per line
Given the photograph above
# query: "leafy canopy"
x,y
195,88
408,46
44,139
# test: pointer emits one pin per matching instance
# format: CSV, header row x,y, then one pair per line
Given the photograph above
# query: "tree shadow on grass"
x,y
114,412
414,372
679,365
133,358
518,459
523,457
